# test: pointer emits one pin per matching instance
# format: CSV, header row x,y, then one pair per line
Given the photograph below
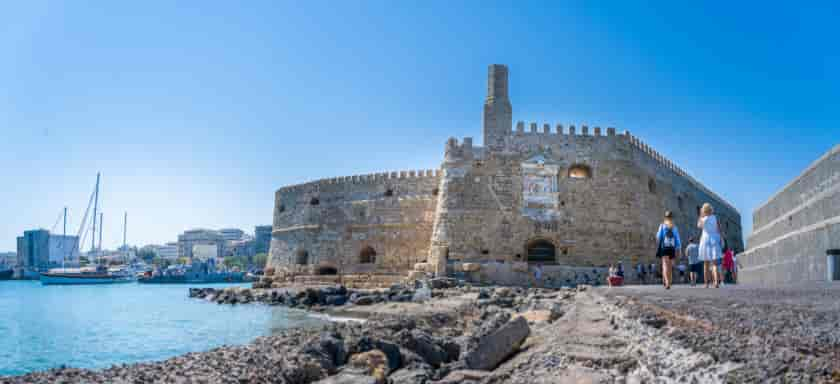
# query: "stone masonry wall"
x,y
610,216
328,223
793,230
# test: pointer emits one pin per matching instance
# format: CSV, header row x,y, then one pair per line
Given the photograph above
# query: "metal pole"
x,y
95,206
101,221
64,240
125,229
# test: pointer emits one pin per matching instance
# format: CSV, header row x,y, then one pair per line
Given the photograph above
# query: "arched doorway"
x,y
326,270
541,251
301,257
367,255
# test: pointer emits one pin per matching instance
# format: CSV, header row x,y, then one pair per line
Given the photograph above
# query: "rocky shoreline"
x,y
456,333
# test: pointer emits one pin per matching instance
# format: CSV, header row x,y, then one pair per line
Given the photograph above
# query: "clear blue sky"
x,y
197,112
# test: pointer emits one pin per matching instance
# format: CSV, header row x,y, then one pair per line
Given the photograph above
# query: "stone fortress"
x,y
567,199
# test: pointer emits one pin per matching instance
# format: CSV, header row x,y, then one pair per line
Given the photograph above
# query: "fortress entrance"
x,y
367,255
541,251
326,270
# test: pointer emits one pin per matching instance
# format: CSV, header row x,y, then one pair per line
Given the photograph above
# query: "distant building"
x,y
38,250
232,234
189,239
168,251
240,248
8,258
205,252
262,238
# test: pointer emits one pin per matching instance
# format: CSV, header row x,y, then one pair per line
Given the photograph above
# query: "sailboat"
x,y
99,274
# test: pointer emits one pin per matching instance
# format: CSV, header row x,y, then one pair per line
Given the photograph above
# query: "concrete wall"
x,y
795,227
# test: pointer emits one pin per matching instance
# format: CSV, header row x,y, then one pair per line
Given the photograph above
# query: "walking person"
x,y
710,245
728,265
695,265
668,247
640,272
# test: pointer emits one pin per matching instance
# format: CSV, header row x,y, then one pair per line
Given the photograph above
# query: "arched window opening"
x,y
580,171
542,251
301,257
680,203
651,185
282,208
435,192
389,192
314,201
326,270
367,255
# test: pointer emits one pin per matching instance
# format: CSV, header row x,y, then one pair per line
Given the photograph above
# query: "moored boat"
x,y
6,274
76,276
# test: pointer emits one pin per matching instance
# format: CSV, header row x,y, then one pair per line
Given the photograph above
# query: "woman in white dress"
x,y
710,245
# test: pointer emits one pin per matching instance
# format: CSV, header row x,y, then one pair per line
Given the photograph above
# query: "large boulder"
x,y
424,345
471,267
496,342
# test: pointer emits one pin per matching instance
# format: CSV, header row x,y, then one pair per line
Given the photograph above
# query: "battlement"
x,y
570,130
454,150
371,178
668,164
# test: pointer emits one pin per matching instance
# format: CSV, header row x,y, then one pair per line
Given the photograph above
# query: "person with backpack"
x,y
710,245
667,247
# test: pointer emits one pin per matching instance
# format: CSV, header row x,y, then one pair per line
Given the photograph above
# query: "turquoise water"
x,y
90,326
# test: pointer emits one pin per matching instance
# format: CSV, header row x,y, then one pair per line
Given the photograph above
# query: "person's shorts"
x,y
696,268
616,280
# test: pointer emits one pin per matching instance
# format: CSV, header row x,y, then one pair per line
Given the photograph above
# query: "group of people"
x,y
710,256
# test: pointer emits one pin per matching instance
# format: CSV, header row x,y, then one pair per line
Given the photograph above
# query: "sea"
x,y
96,326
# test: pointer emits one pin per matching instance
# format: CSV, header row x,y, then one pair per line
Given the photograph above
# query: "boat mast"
x,y
125,248
64,239
95,206
99,250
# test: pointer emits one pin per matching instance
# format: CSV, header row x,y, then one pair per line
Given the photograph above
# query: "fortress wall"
x,y
686,195
609,217
795,227
332,220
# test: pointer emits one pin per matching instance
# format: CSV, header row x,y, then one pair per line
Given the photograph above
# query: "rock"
x,y
335,300
373,363
471,267
349,378
268,272
652,321
410,376
461,376
483,294
495,346
536,315
364,300
443,283
424,345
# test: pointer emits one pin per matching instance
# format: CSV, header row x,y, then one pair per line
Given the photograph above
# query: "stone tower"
x,y
498,118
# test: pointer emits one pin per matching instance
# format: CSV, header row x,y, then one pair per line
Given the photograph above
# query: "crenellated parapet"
x,y
559,129
668,164
370,178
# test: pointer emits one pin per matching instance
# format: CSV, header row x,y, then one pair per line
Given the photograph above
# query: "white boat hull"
x,y
48,279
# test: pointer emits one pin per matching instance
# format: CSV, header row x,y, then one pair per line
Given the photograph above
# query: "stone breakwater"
x,y
317,298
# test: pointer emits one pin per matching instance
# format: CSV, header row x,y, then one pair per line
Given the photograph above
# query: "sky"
x,y
195,112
